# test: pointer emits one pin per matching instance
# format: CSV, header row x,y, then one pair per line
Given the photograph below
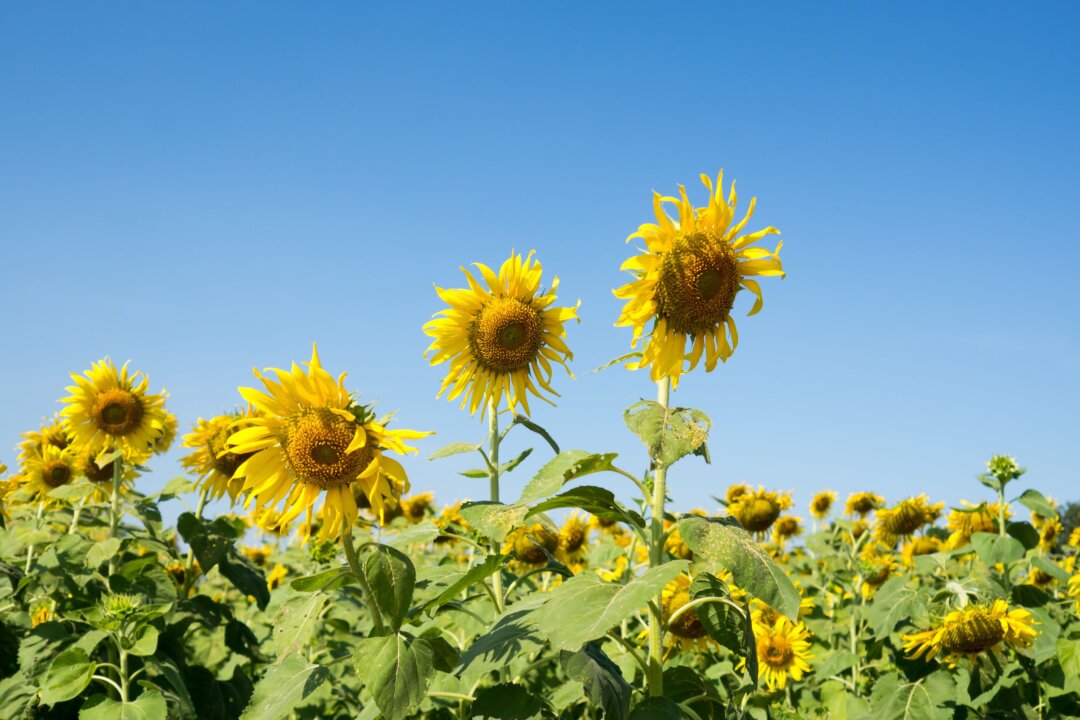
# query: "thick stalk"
x,y
656,558
1001,510
189,576
493,476
361,576
114,508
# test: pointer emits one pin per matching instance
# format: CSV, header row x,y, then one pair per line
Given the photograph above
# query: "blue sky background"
x,y
204,188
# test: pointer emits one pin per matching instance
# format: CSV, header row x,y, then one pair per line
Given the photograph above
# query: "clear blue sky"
x,y
204,188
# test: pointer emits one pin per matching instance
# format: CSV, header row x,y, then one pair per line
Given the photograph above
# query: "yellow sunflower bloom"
x,y
758,509
734,491
211,460
874,569
1074,537
822,503
924,545
500,339
786,528
973,630
111,409
783,649
905,518
970,519
863,503
573,542
1049,533
1074,592
687,278
416,508
309,437
531,546
52,433
49,469
684,626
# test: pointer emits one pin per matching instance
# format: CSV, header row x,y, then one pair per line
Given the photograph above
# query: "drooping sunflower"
x,y
973,630
310,436
500,339
783,649
111,409
687,278
905,518
758,509
786,528
863,503
416,507
822,503
211,459
49,469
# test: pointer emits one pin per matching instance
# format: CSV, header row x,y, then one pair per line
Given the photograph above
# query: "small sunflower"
x,y
758,509
786,528
1074,537
276,576
686,628
258,555
573,541
49,469
687,278
531,546
863,503
783,649
874,569
973,630
111,409
500,339
923,545
210,458
822,503
1049,533
52,433
310,436
416,508
905,518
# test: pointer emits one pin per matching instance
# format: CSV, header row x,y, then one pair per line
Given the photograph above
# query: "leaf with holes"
x,y
669,434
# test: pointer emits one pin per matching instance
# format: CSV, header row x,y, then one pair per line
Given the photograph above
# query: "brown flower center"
x,y
975,633
117,412
315,446
905,519
56,473
758,514
687,625
699,277
573,537
529,546
506,335
778,652
225,462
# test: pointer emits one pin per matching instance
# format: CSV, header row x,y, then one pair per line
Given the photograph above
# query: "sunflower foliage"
x,y
331,588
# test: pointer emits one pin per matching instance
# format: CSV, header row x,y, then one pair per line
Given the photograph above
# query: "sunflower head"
x,y
970,519
1074,592
863,503
573,540
1049,533
923,545
310,437
532,545
49,469
1004,468
822,503
675,545
758,509
502,339
687,278
51,433
973,630
783,649
734,491
905,518
210,457
686,625
416,508
874,569
787,527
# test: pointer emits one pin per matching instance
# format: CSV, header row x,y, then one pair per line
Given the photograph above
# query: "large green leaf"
x,y
895,601
148,706
492,519
1036,502
396,670
722,541
594,500
669,433
564,467
67,676
295,623
925,699
475,574
603,682
585,607
993,549
392,577
282,687
507,701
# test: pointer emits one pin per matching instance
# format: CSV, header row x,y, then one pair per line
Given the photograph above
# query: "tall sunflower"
x,y
311,436
687,278
973,630
500,338
210,457
111,409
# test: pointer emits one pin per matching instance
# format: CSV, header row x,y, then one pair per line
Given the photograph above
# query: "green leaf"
x,y
595,500
1050,568
603,682
1025,532
444,656
102,551
247,578
636,355
669,434
328,579
507,701
1036,502
476,574
836,663
561,469
282,687
396,670
456,448
506,638
526,422
896,600
392,577
144,641
657,708
149,706
684,685
508,466
475,473
419,534
295,623
67,676
993,549
924,699
177,486
17,696
1068,654
722,541
493,520
72,491
721,621
585,607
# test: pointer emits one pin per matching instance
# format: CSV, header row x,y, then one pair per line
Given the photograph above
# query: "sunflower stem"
x,y
493,477
656,558
75,512
114,507
189,576
30,548
361,577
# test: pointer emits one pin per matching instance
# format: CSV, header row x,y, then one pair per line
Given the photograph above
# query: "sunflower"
x,y
605,526
111,409
1074,537
822,503
924,545
51,433
573,542
734,491
687,278
874,569
863,503
970,519
786,528
102,475
451,524
49,469
905,518
210,458
782,649
500,339
311,436
758,509
1074,592
674,544
685,627
276,576
416,508
258,555
531,546
1049,533
973,630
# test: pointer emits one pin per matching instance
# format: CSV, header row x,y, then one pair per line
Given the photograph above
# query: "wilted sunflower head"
x,y
686,280
905,518
500,340
863,503
973,630
822,503
758,509
111,409
532,545
311,437
211,459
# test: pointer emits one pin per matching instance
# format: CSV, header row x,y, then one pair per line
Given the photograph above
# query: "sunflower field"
x,y
334,589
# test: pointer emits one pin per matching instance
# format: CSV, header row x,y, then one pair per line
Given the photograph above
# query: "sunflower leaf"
x,y
669,434
456,448
284,685
604,684
493,520
563,468
396,670
599,501
392,578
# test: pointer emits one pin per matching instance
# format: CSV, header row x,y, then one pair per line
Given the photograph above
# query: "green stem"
x,y
114,508
854,639
75,513
656,558
123,675
361,576
493,476
189,576
30,548
1001,510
